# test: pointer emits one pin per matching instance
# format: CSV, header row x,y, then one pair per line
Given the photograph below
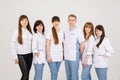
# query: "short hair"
x,y
72,15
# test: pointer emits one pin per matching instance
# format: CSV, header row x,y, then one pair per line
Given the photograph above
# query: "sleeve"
x,y
14,44
48,35
90,45
80,36
108,48
35,44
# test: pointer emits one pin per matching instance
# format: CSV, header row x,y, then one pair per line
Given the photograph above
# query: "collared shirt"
x,y
56,51
38,45
24,48
104,49
72,40
88,50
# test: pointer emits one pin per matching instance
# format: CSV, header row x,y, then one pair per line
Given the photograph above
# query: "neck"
x,y
57,29
24,27
87,35
72,28
40,32
98,37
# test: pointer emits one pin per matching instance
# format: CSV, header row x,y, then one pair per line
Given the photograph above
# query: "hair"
x,y
38,22
55,36
20,41
72,15
89,25
100,27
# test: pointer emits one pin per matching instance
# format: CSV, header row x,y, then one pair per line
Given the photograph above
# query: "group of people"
x,y
71,46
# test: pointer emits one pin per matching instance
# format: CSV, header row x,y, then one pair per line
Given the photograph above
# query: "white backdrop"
x,y
105,12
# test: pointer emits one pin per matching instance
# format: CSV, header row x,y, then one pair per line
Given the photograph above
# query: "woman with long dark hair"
x,y
54,46
22,46
102,51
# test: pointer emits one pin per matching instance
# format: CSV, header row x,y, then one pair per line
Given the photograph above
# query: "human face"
x,y
72,21
87,30
98,33
24,22
56,24
39,28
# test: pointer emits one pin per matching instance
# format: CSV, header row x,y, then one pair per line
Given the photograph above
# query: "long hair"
x,y
88,25
100,27
38,22
54,32
20,28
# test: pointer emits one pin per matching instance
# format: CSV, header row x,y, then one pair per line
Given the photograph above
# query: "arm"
x,y
35,46
48,50
82,47
86,61
108,49
14,47
89,50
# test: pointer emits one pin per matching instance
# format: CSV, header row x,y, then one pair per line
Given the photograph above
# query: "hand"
x,y
37,54
16,61
49,59
85,64
105,56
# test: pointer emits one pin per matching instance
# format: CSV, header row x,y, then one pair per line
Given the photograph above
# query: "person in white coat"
x,y
102,51
54,46
38,48
22,46
88,31
73,39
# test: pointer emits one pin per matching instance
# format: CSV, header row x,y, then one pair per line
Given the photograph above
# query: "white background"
x,y
105,12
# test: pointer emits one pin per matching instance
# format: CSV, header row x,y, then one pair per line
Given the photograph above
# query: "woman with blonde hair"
x,y
88,31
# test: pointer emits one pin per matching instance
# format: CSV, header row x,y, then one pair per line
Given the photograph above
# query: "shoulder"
x,y
106,41
35,34
92,37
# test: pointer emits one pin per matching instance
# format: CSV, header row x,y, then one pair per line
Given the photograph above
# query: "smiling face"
x,y
39,28
98,33
71,21
24,22
56,24
87,29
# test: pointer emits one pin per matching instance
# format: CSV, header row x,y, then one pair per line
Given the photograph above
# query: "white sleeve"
x,y
80,36
108,48
35,44
14,44
90,45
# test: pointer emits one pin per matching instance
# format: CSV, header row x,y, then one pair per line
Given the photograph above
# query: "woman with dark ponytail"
x,y
102,51
54,47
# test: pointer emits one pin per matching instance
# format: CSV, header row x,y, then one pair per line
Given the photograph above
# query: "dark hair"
x,y
20,28
72,15
55,18
100,27
55,36
38,22
90,25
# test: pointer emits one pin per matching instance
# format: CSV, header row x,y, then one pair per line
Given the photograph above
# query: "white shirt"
x,y
88,50
104,49
70,44
24,48
56,51
38,45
